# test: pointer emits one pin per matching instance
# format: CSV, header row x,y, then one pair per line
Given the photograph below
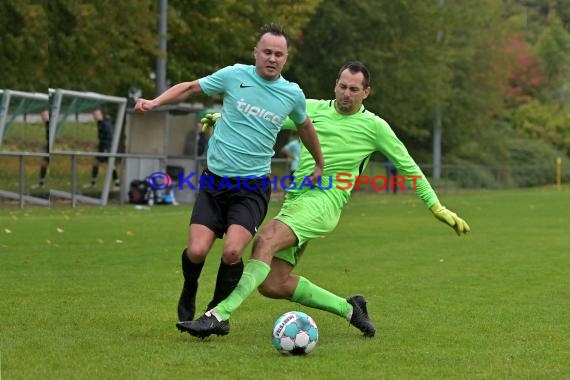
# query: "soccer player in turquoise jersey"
x,y
349,135
257,100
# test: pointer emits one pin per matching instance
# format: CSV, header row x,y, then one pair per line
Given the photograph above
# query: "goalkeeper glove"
x,y
449,217
209,120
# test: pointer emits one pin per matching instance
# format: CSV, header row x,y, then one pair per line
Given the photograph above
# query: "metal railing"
x,y
21,195
453,177
73,194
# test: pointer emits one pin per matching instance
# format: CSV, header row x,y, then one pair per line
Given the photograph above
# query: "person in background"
x,y
105,127
292,150
391,172
45,160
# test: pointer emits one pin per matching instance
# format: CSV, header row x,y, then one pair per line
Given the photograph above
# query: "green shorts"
x,y
309,214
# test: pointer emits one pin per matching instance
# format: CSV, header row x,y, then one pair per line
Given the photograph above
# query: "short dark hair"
x,y
275,29
357,67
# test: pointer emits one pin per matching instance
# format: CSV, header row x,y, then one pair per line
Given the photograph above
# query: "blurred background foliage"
x,y
499,70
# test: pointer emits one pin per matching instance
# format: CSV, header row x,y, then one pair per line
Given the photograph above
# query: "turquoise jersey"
x,y
253,112
347,143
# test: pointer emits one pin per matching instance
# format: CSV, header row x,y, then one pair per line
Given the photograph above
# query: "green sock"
x,y
253,275
308,294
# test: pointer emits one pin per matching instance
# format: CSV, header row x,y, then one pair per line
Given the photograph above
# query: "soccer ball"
x,y
295,333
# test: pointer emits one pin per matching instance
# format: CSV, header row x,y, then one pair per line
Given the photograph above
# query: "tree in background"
x,y
108,46
538,97
207,35
412,69
23,46
499,71
101,45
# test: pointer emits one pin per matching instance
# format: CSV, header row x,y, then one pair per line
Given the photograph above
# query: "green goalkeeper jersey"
x,y
347,144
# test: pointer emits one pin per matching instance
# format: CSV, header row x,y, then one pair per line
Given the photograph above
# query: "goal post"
x,y
25,103
16,105
65,103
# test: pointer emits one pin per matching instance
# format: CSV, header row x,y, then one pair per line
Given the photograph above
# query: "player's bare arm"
x,y
308,136
174,94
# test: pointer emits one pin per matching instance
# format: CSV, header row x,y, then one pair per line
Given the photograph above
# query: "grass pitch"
x,y
91,293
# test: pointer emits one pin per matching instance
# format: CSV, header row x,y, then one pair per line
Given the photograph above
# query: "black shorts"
x,y
219,206
103,149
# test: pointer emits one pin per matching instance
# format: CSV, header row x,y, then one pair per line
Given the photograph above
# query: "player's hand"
x,y
316,174
450,218
144,105
209,120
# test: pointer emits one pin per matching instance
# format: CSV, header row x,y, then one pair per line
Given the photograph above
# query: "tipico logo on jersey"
x,y
344,181
253,110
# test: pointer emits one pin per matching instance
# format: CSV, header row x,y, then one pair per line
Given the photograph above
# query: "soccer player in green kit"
x,y
348,134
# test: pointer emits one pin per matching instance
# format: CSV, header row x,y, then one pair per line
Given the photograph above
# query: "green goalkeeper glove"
x,y
449,217
209,120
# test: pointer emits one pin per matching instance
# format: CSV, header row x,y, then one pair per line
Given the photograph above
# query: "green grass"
x,y
98,299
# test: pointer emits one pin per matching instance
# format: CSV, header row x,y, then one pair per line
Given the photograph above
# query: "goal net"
x,y
23,143
85,129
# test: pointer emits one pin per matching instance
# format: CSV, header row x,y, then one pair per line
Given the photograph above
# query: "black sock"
x,y
43,172
187,301
190,270
94,174
228,278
